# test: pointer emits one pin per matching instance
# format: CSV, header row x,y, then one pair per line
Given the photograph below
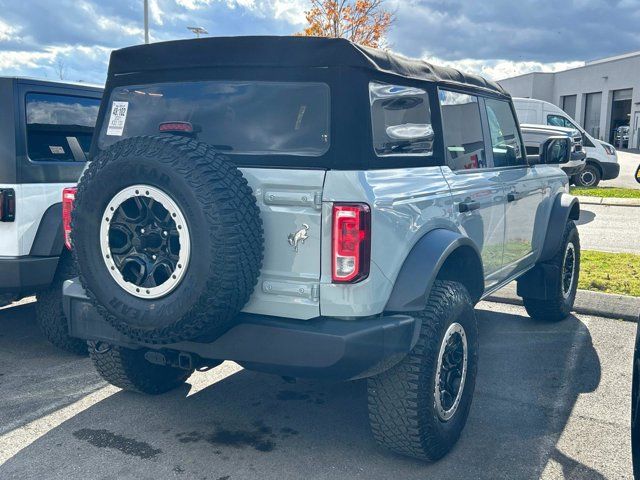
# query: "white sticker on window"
x,y
117,119
56,150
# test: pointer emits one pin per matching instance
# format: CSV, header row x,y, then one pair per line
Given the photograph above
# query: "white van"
x,y
602,159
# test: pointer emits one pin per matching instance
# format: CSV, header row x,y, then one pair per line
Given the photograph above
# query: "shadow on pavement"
x,y
35,377
586,216
250,425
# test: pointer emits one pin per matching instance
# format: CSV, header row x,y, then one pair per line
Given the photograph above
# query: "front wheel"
x,y
567,263
419,407
588,177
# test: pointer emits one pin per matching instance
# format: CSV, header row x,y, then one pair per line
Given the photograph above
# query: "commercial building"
x,y
601,95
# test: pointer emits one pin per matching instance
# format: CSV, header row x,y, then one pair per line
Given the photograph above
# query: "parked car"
x,y
622,136
337,215
602,159
45,135
534,137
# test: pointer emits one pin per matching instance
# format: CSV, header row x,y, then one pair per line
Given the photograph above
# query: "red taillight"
x,y
7,205
175,127
68,196
351,241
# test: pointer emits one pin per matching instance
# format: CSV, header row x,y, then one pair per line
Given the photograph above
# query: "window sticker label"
x,y
56,150
117,119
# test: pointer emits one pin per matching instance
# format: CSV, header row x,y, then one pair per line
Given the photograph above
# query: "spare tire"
x,y
167,237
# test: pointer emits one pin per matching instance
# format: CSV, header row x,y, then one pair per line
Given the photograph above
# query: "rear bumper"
x,y
318,348
610,170
25,275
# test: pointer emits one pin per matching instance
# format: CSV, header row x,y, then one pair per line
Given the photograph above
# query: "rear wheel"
x,y
589,177
567,261
49,314
419,407
130,370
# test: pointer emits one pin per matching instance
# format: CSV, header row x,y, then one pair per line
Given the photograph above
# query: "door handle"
x,y
468,206
513,196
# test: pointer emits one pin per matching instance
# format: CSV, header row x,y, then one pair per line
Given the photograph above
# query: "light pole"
x,y
198,31
146,21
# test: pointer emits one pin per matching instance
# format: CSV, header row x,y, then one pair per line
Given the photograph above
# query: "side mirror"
x,y
555,150
638,174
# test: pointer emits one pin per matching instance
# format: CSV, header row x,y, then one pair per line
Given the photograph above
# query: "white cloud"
x,y
193,4
291,11
7,32
498,69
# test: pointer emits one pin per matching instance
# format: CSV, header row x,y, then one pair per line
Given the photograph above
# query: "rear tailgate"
x,y
290,203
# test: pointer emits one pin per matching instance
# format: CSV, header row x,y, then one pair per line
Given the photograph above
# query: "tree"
x,y
362,21
61,68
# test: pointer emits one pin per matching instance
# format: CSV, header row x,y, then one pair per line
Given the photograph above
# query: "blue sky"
x,y
497,38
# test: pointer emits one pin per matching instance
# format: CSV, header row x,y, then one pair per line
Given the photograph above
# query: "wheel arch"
x,y
596,163
565,207
441,254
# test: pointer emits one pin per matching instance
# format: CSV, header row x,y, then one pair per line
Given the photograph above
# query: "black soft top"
x,y
272,51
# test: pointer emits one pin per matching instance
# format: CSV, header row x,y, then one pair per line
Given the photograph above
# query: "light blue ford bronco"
x,y
312,208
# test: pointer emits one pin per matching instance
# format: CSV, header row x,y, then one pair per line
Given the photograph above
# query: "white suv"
x,y
602,159
45,134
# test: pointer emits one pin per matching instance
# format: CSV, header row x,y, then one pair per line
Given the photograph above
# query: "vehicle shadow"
x,y
586,216
249,425
35,377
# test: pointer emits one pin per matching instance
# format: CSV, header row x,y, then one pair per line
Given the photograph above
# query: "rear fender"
x,y
443,254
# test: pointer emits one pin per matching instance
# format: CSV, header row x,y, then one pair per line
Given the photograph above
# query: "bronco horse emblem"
x,y
299,237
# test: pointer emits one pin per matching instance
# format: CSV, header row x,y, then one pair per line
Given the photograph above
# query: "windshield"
x,y
238,117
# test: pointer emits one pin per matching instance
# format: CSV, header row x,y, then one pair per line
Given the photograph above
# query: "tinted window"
x,y
401,120
255,118
505,139
59,127
462,128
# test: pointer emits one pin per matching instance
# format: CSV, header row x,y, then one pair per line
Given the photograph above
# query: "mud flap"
x,y
541,282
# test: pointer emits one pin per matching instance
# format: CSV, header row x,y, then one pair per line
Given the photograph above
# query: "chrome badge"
x,y
299,237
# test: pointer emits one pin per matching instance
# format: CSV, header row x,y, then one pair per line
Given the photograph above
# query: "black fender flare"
x,y
565,207
49,239
425,262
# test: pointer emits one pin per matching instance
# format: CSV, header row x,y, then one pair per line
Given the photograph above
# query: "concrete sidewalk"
x,y
609,201
590,303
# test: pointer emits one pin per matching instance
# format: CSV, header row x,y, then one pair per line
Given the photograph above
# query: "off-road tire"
x,y
225,229
49,314
590,173
559,306
129,370
402,410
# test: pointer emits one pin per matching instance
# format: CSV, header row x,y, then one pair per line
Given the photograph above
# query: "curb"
x,y
612,202
599,304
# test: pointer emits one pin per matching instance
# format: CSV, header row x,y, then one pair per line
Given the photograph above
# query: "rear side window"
x,y
400,120
59,127
237,117
462,127
505,139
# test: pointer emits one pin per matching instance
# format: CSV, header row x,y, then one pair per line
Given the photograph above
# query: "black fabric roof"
x,y
275,51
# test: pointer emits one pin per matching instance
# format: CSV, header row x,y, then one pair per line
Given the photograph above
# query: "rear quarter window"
x,y
59,127
400,120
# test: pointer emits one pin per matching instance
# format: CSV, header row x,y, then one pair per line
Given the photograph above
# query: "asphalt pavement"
x,y
552,401
609,229
629,161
